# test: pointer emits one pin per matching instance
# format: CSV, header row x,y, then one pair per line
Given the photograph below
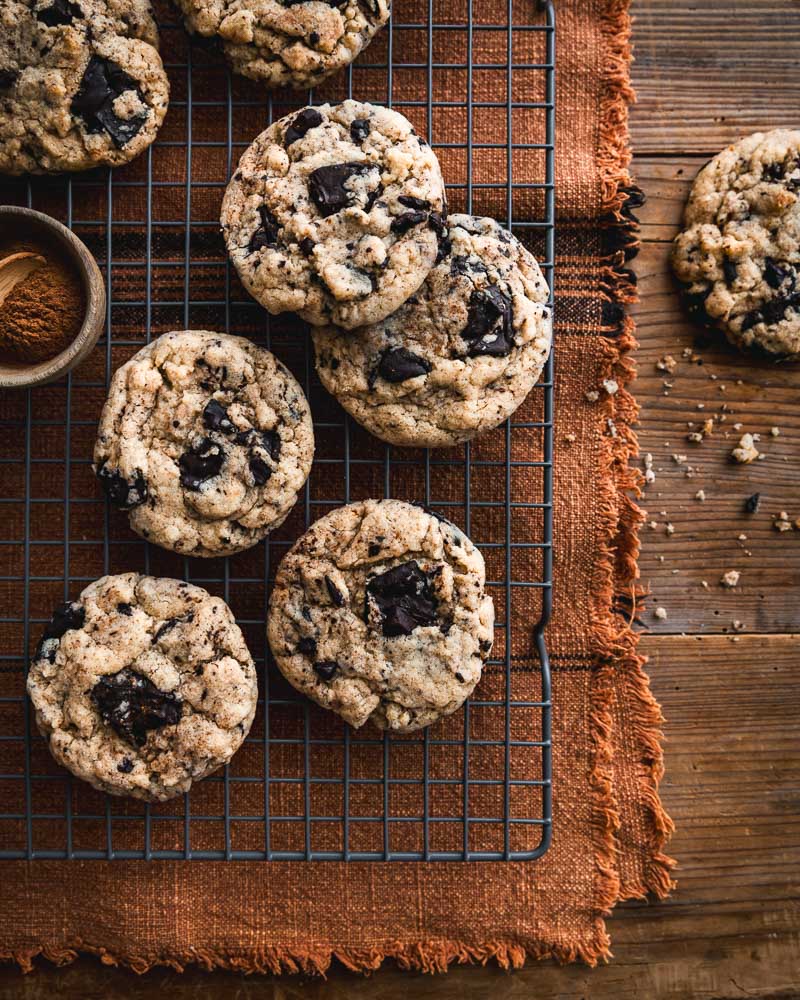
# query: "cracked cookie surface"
x,y
459,356
295,43
380,613
738,256
143,685
334,213
81,84
205,440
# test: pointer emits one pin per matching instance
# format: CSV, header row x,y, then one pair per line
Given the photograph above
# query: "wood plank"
x,y
708,73
759,395
731,929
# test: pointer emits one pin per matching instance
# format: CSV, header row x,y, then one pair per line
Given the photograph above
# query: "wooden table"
x,y
706,72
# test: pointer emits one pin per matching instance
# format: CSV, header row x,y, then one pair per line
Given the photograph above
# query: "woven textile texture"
x,y
609,828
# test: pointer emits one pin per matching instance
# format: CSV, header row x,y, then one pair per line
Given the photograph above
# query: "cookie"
x,y
379,613
738,256
459,356
296,43
81,84
205,440
143,685
333,213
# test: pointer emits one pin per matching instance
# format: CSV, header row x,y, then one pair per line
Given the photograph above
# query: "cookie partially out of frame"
x,y
143,685
380,613
738,255
205,440
334,213
296,44
81,84
459,356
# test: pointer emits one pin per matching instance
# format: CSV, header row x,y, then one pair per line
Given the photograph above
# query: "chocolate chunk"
x,y
125,609
133,706
373,549
170,624
773,171
66,617
404,598
326,669
125,766
307,646
466,266
359,129
201,463
313,39
59,12
271,441
266,235
418,203
123,493
486,645
459,677
402,223
7,78
335,594
306,246
489,323
326,185
775,274
752,502
302,122
397,364
259,470
215,417
730,270
102,84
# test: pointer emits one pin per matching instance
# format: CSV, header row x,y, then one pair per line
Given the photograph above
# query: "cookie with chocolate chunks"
x,y
738,256
143,685
459,356
205,440
81,84
294,43
380,613
335,213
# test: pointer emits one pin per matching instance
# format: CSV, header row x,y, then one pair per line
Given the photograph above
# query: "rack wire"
x,y
477,786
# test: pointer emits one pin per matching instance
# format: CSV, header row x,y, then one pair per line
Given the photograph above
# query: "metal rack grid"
x,y
477,786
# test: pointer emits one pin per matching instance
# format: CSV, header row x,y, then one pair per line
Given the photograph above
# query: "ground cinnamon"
x,y
44,312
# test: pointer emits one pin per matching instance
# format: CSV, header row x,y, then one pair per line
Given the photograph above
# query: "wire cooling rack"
x,y
477,786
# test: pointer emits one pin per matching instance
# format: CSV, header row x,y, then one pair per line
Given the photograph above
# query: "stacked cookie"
x,y
428,330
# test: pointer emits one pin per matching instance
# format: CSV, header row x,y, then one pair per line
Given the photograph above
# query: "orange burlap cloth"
x,y
609,827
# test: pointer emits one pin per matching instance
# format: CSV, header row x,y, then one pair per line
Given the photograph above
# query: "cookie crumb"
x,y
704,584
742,537
666,364
649,471
737,625
661,614
700,495
592,395
782,522
678,458
611,386
775,431
746,451
730,579
669,529
570,438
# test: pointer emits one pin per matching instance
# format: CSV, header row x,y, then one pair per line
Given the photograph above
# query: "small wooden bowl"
x,y
24,222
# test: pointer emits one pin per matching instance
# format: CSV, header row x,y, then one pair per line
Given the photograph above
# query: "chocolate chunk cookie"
x,y
81,84
295,43
334,213
739,254
379,612
205,440
143,685
459,356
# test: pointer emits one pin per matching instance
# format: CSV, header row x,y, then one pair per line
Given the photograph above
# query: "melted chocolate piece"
x,y
170,624
215,417
771,312
730,270
123,493
360,128
306,246
326,186
201,463
420,204
59,12
775,274
326,669
402,223
397,364
335,594
307,646
302,122
460,265
133,706
489,323
259,470
66,617
7,78
124,608
404,598
125,766
266,235
102,84
270,441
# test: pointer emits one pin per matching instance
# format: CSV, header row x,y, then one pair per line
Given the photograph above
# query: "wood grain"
x,y
709,72
732,928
